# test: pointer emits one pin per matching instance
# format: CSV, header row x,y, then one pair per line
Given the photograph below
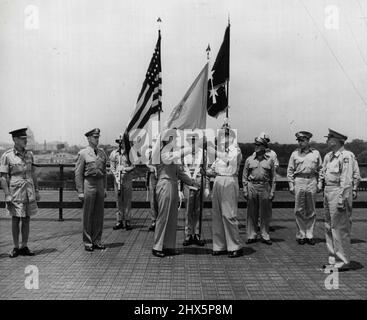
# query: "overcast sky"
x,y
294,66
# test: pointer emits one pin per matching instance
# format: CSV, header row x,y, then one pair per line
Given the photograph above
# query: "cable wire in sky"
x,y
335,57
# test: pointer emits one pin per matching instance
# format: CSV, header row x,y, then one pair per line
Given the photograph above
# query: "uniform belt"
x,y
305,175
259,182
332,185
227,175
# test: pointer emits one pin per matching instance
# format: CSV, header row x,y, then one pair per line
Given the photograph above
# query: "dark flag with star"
x,y
218,80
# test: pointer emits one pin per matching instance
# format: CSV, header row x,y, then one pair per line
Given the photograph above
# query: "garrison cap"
x,y
303,135
94,132
336,135
261,141
19,132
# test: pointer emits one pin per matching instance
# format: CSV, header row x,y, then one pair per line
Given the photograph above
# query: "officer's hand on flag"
x,y
81,196
354,194
8,198
291,190
38,197
271,196
206,193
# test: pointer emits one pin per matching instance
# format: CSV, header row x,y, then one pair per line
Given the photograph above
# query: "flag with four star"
x,y
218,80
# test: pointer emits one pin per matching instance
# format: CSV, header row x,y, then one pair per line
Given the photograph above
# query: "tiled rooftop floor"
x,y
128,270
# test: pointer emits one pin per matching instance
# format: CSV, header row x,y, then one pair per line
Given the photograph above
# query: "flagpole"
x,y
203,163
159,21
229,51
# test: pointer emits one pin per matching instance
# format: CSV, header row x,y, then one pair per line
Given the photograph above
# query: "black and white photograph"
x,y
196,153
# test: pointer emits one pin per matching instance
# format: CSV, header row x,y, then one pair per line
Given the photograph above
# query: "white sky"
x,y
85,64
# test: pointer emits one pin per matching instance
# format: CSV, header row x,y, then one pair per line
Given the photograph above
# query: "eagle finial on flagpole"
x,y
208,51
159,20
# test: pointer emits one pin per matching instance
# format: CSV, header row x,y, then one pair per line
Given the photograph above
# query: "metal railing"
x,y
140,184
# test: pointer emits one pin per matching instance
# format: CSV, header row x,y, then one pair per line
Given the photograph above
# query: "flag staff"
x,y
227,86
203,163
159,22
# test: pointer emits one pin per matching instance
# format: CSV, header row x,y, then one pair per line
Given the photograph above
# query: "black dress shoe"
x,y
152,227
311,241
188,240
235,254
127,225
118,225
157,253
268,242
219,252
249,241
99,246
88,248
198,241
301,241
14,253
26,252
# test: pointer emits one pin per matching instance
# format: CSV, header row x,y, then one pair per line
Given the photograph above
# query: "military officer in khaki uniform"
x,y
192,165
122,169
259,187
19,182
271,154
226,237
303,171
339,177
91,182
169,171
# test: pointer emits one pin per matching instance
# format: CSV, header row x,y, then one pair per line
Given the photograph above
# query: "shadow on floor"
x,y
194,250
355,265
357,241
114,244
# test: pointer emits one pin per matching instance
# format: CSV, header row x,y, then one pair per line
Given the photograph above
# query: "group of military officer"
x,y
338,176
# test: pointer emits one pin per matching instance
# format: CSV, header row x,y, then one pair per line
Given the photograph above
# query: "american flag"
x,y
150,97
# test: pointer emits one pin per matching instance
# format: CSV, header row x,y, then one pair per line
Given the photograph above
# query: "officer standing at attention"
x,y
259,187
271,154
19,182
121,170
340,177
303,171
192,165
91,182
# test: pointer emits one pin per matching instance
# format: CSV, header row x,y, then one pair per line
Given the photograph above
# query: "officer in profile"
x,y
19,182
340,178
91,183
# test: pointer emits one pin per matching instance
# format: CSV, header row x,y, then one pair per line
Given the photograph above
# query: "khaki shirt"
x,y
271,154
18,167
308,163
259,171
118,164
340,169
89,164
